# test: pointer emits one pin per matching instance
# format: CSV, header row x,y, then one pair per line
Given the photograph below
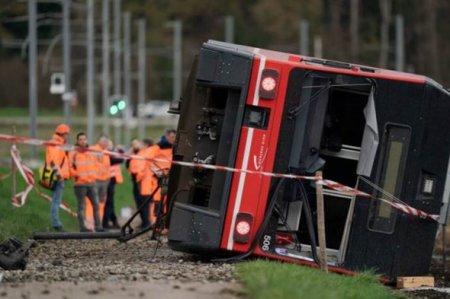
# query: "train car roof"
x,y
329,65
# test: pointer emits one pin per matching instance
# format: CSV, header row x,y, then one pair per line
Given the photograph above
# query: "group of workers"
x,y
147,175
95,174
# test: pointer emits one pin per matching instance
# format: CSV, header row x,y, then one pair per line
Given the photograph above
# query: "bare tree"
x,y
431,40
427,61
354,29
385,10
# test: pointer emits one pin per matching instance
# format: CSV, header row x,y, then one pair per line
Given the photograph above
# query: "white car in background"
x,y
155,108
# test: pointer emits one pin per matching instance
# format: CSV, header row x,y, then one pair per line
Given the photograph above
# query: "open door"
x,y
334,127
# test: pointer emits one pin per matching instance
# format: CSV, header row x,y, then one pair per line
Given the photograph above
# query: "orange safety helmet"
x,y
62,129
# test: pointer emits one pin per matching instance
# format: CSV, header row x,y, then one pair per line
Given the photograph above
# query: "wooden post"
x,y
405,282
444,248
13,167
321,226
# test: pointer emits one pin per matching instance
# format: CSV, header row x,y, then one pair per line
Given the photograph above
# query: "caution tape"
x,y
63,206
318,179
18,200
398,205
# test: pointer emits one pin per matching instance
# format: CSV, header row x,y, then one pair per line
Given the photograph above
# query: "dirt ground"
x,y
109,269
440,273
138,269
131,289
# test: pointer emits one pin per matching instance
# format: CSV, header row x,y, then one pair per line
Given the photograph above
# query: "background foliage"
x,y
262,23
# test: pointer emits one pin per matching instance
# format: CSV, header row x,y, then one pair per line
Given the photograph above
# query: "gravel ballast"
x,y
111,264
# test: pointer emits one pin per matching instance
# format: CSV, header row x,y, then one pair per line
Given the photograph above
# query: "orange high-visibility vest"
x,y
136,166
103,163
161,164
115,171
83,167
147,184
56,157
163,161
133,166
144,176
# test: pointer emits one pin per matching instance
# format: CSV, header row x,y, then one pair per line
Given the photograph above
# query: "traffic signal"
x,y
117,106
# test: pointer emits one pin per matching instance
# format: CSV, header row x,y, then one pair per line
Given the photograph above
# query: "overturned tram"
x,y
382,132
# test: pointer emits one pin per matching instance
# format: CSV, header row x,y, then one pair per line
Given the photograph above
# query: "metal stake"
x,y
13,166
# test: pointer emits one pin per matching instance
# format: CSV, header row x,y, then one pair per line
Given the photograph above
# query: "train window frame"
x,y
395,135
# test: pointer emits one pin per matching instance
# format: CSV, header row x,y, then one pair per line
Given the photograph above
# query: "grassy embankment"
x,y
270,279
35,214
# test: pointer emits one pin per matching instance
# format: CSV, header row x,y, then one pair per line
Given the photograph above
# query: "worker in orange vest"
x,y
158,163
165,155
142,182
57,159
132,166
115,173
103,163
84,171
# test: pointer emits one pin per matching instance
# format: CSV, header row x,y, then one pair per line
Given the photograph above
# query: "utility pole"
x,y
229,29
400,43
177,63
385,10
127,78
304,37
117,65
90,70
105,63
66,58
32,71
142,78
318,46
117,47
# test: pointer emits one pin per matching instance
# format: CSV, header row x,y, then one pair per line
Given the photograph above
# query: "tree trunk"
x,y
335,32
431,41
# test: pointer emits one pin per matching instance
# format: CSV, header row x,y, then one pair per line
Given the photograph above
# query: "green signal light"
x,y
113,110
121,105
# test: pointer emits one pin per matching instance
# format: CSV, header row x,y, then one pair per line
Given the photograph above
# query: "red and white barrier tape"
x,y
19,199
399,206
319,180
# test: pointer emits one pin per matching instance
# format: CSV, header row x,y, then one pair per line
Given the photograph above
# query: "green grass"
x,y
270,279
35,214
22,112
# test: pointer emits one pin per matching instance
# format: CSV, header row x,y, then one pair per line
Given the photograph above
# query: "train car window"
x,y
382,215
